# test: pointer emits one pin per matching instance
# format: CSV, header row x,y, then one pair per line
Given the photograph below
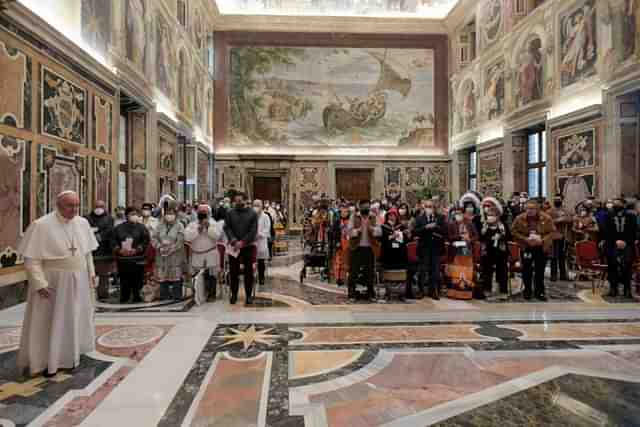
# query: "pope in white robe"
x,y
58,325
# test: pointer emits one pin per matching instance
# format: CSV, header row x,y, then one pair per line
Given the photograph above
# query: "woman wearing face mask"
x,y
585,226
168,241
462,233
394,247
494,236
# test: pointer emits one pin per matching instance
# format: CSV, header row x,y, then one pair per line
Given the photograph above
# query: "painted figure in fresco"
x,y
530,74
493,19
164,59
136,34
469,108
575,190
579,46
495,91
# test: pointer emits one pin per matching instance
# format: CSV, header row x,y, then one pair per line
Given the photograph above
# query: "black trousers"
x,y
429,264
262,268
533,265
245,259
559,259
131,280
270,244
362,270
210,280
495,262
620,269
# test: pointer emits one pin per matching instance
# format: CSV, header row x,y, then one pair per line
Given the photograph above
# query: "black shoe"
x,y
234,299
554,278
542,298
340,282
613,293
527,296
420,295
564,278
249,301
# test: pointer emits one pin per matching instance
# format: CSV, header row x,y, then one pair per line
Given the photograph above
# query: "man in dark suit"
x,y
619,234
431,229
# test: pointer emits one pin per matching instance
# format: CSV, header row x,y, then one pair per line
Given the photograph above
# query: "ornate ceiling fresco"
x,y
433,9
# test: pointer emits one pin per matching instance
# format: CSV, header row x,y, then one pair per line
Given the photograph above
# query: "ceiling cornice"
x,y
459,15
329,24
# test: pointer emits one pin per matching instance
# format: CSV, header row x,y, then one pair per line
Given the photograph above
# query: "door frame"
x,y
376,188
371,172
283,174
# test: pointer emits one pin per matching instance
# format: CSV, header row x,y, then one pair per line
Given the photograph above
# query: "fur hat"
x,y
495,203
471,197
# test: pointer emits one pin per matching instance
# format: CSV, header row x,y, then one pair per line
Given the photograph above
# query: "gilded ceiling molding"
x,y
309,24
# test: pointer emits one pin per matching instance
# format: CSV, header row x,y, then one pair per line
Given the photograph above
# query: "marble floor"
x,y
306,357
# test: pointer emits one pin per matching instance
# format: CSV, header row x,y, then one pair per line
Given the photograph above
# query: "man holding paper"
x,y
130,241
241,228
533,231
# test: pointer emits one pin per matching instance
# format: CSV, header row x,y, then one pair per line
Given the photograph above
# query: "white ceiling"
x,y
426,9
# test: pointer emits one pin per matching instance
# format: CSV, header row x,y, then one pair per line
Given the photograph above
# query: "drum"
x,y
460,278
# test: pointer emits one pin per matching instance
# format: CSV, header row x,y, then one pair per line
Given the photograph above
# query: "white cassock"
x,y
58,329
262,239
204,246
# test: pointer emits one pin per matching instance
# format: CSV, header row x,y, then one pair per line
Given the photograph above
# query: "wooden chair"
x,y
588,264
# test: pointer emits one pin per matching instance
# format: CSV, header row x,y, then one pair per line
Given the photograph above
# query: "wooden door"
x,y
267,188
353,184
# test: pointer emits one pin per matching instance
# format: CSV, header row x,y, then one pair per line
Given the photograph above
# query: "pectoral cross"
x,y
73,249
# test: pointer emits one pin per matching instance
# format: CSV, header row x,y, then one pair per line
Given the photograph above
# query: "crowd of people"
x,y
379,235
158,249
63,252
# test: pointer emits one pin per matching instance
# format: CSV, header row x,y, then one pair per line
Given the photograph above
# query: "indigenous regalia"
x,y
495,252
341,258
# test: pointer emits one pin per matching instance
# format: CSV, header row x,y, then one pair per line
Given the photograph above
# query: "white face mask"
x,y
492,219
170,218
402,212
257,209
133,218
429,211
469,209
98,211
609,205
459,217
583,213
523,200
146,212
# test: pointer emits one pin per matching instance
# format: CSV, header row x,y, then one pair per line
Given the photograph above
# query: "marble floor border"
x,y
525,337
472,326
292,377
116,364
177,353
465,404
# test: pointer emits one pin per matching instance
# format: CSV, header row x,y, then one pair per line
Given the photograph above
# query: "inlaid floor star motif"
x,y
250,337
